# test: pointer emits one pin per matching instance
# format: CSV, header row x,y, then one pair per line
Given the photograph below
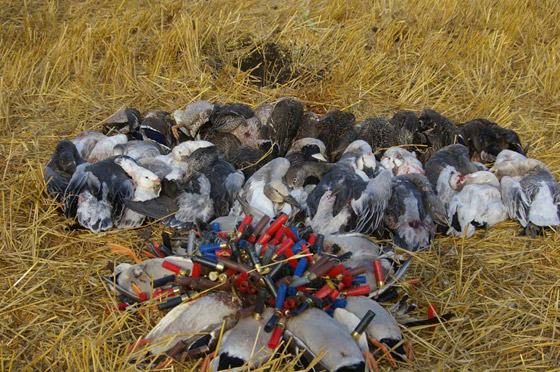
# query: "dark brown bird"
x,y
156,127
227,118
380,133
284,122
436,132
329,129
487,139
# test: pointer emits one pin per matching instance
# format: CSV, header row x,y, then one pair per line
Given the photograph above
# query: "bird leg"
x,y
409,352
167,361
384,349
206,363
117,248
370,361
175,131
138,344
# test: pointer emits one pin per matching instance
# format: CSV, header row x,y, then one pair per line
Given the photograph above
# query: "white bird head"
x,y
185,149
358,147
456,180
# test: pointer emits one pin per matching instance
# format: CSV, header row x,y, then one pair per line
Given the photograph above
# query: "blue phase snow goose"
x,y
341,190
96,194
61,167
446,168
147,186
412,210
209,190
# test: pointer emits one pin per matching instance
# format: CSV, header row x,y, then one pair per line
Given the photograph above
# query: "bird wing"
x,y
56,184
157,208
371,205
119,193
81,179
515,200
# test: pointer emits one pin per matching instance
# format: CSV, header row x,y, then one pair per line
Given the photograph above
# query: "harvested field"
x,y
67,66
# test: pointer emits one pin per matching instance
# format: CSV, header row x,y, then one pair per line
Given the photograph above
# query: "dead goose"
x,y
61,167
265,192
96,194
529,191
316,332
245,345
400,161
479,203
147,186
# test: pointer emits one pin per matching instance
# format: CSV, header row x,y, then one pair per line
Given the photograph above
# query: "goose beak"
x,y
319,157
292,201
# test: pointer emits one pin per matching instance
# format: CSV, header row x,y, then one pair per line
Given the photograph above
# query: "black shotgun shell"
x,y
271,324
364,323
163,281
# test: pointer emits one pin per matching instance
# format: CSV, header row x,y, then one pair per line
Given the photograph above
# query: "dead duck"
x,y
529,191
156,127
487,139
251,157
263,112
192,118
284,122
435,132
123,121
227,118
96,194
61,167
315,332
479,203
380,133
330,129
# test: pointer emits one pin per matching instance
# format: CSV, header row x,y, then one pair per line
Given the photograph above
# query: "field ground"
x,y
66,66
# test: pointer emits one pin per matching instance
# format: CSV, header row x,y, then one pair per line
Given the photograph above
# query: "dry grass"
x,y
65,66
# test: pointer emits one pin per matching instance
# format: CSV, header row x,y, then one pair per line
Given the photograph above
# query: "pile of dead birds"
x,y
279,207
